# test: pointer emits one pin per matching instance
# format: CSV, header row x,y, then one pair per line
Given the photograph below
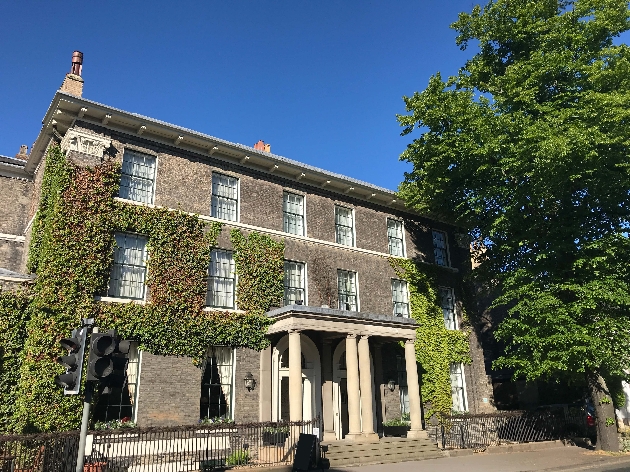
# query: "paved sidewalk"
x,y
566,458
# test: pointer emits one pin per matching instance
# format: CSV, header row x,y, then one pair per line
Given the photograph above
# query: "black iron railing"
x,y
481,431
182,448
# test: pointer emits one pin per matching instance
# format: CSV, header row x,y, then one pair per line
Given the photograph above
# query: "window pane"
x,y
395,237
457,388
137,177
129,270
347,290
224,197
344,226
439,248
294,283
221,280
400,298
217,383
448,307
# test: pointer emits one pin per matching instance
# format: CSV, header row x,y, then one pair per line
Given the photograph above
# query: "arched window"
x,y
284,360
342,361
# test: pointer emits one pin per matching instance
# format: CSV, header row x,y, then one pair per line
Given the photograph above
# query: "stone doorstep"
x,y
505,448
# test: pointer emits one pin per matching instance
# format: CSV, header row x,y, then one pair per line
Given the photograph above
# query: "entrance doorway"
x,y
311,378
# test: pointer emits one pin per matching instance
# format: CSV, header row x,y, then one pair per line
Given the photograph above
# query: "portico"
x,y
321,363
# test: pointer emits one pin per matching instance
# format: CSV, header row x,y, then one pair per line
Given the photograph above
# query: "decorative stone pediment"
x,y
85,142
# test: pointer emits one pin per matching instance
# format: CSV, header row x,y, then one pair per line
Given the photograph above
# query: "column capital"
x,y
293,330
351,336
364,336
410,341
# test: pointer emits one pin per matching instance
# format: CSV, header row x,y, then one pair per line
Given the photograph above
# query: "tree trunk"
x,y
607,438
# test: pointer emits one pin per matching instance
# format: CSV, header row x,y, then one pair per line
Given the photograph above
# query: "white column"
x,y
265,385
365,373
413,388
295,376
354,395
327,391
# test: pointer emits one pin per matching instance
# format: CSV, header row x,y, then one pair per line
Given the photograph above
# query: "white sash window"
x,y
293,214
458,388
129,270
224,197
294,283
347,290
217,383
344,226
447,301
221,280
440,248
400,298
395,237
137,179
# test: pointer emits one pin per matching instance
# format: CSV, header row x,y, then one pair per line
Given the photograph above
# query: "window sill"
x,y
222,310
120,300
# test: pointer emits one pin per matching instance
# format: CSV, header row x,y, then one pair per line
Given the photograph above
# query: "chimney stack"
x,y
23,154
261,146
73,83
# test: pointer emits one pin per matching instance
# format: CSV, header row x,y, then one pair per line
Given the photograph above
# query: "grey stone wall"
x,y
169,391
11,255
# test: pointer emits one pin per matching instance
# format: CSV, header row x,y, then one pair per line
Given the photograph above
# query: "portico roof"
x,y
301,317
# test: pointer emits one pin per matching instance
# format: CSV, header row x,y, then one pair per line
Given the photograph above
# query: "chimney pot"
x,y
261,146
77,63
73,83
23,154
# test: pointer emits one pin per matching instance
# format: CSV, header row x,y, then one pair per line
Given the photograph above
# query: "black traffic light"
x,y
73,362
107,361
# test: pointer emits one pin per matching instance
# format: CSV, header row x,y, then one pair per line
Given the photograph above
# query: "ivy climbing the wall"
x,y
72,253
436,347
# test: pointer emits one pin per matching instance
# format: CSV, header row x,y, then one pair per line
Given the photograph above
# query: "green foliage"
x,y
74,257
260,266
14,315
436,347
396,422
527,148
240,457
610,421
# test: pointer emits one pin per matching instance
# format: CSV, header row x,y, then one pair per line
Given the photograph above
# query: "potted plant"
x,y
275,435
95,467
396,427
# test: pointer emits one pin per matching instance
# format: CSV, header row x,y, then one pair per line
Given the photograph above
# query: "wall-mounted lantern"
x,y
250,382
391,385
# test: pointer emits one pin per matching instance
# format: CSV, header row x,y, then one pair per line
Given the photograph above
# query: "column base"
x,y
371,437
353,437
329,436
417,434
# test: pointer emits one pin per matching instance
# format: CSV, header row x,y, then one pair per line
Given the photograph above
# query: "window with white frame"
x,y
294,283
224,197
129,271
347,290
120,403
344,225
217,383
137,178
293,214
403,390
440,248
447,302
221,280
458,388
400,298
395,237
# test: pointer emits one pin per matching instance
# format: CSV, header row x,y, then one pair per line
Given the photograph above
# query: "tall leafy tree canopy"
x,y
528,147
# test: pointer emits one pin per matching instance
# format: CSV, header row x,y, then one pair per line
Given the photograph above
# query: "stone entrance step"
x,y
387,450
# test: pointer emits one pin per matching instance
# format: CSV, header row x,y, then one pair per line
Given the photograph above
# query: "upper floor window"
x,y
458,388
344,225
400,298
217,383
224,197
137,179
395,237
347,290
447,302
440,248
129,271
221,280
293,214
294,283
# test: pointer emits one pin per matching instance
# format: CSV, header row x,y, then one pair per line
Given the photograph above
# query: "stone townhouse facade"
x,y
336,348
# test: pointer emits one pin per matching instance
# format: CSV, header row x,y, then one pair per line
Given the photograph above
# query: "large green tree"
x,y
528,148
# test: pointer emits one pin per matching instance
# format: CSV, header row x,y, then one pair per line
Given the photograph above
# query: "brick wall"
x,y
390,400
246,409
11,255
16,197
169,391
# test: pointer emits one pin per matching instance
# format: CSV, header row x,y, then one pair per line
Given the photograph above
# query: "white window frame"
x,y
304,278
232,402
464,395
356,284
238,196
403,386
394,302
284,212
353,232
447,254
210,278
455,324
130,152
117,292
402,230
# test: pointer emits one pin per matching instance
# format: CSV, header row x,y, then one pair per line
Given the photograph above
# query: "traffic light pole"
x,y
89,388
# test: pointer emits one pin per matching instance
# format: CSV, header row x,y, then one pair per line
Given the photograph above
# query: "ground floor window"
x,y
120,402
401,367
217,383
458,388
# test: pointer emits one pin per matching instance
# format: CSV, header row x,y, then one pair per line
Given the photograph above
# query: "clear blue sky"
x,y
320,80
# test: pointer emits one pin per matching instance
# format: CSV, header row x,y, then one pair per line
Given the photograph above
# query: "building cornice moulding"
x,y
84,142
